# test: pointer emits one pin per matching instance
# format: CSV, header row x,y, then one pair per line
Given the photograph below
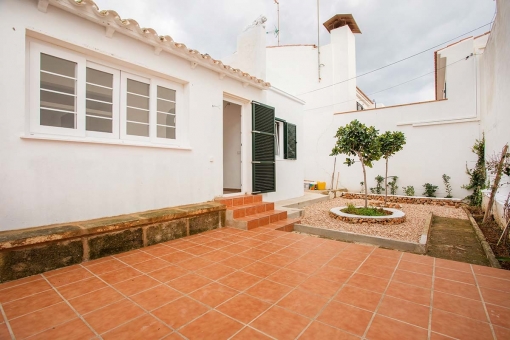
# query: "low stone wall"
x,y
394,220
453,202
35,250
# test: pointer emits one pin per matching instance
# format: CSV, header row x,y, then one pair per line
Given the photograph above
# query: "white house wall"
x,y
47,181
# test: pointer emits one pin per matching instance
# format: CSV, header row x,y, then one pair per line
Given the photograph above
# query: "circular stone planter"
x,y
397,216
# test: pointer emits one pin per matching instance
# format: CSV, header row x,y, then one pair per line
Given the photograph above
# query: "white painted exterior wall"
x,y
52,179
494,94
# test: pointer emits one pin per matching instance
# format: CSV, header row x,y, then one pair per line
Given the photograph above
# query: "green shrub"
x,y
378,187
393,185
430,190
353,210
477,174
447,185
409,190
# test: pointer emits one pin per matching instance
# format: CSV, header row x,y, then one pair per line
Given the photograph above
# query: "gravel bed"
x,y
317,215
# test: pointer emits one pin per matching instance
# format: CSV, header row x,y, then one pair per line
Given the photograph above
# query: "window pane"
x,y
137,129
137,115
57,83
99,124
164,119
99,93
137,101
99,77
165,106
99,109
57,101
166,132
137,87
58,119
165,93
57,65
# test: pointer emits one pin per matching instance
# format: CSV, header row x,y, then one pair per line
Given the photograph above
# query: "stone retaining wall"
x,y
394,220
35,250
453,202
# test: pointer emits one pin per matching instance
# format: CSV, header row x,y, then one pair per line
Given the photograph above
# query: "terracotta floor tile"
x,y
168,273
111,316
260,269
460,266
301,302
348,318
69,277
291,252
456,288
250,243
244,308
414,294
416,267
106,266
19,282
24,290
344,264
135,258
383,328
156,297
405,311
376,270
303,266
235,249
372,283
437,336
255,254
81,287
158,250
150,265
263,237
494,272
499,315
415,279
217,255
319,330
310,242
422,259
41,320
120,275
4,331
287,277
493,283
237,262
135,285
217,244
361,248
278,260
454,275
195,263
316,258
317,285
239,280
75,329
62,270
334,274
145,327
180,312
31,303
496,297
378,260
213,294
179,244
198,250
268,291
502,333
284,242
280,323
188,283
458,305
215,271
95,300
176,257
212,325
250,334
271,247
459,327
393,254
358,297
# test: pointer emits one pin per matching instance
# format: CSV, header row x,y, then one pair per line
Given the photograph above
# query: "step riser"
x,y
236,201
259,222
233,212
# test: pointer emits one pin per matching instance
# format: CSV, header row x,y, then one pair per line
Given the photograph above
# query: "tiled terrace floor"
x,y
260,284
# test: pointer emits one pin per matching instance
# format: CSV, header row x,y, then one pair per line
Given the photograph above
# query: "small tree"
x,y
391,143
356,139
477,175
447,185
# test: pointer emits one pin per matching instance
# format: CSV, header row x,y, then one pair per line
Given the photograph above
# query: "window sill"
x,y
103,141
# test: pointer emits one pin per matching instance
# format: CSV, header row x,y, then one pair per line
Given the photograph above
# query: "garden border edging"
x,y
481,237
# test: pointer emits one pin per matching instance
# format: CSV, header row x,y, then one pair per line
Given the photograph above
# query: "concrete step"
x,y
244,210
259,220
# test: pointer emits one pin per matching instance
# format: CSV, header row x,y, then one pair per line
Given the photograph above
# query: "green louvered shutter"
x,y
290,141
263,161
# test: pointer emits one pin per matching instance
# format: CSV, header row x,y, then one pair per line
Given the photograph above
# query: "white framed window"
x,y
73,95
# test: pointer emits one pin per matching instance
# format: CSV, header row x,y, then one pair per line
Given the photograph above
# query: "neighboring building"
x,y
103,117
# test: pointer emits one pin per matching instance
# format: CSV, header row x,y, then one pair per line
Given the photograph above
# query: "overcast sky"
x,y
391,30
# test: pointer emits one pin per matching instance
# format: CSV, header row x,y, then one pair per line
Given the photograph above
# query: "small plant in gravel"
x,y
477,175
409,190
357,139
430,190
447,185
393,185
378,187
353,210
391,142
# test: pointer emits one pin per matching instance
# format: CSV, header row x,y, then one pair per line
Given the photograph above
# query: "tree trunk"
x,y
495,186
365,182
386,184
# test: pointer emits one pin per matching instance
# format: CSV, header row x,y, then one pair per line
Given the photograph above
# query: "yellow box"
x,y
321,185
